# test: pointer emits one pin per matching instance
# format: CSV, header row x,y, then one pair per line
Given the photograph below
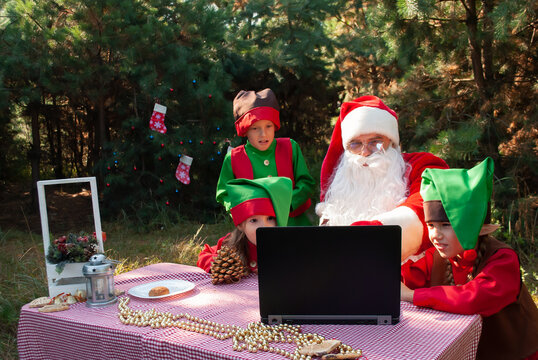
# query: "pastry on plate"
x,y
159,291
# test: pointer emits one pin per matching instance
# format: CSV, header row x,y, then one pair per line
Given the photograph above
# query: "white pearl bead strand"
x,y
256,337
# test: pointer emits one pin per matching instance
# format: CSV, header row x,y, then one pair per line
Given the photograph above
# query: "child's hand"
x,y
406,294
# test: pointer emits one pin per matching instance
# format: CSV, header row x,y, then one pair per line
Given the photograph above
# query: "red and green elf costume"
x,y
283,158
510,317
265,196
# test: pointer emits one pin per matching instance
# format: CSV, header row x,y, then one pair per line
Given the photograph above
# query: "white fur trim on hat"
x,y
369,120
412,228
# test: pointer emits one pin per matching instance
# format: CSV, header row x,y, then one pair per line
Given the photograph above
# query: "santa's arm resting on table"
x,y
410,214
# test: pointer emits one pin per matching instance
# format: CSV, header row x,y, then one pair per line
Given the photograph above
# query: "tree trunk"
x,y
471,21
35,153
490,140
482,61
488,45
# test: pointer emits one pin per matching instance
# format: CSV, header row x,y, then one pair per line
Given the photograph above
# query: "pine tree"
x,y
287,48
174,63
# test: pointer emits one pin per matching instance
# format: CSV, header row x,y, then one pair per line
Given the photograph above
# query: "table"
x,y
96,333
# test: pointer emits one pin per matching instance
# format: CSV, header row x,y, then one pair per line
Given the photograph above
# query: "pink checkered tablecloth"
x,y
97,333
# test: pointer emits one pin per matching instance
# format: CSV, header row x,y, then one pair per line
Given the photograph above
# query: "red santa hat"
x,y
364,115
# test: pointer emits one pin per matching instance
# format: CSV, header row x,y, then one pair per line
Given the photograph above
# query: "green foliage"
x,y
457,144
82,77
72,248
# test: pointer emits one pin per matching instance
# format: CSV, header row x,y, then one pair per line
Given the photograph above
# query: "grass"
x,y
22,263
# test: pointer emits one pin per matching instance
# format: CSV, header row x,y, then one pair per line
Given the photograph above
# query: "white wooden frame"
x,y
72,271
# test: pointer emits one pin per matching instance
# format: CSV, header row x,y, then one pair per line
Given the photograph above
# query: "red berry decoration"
x,y
162,145
160,158
167,203
134,168
132,127
108,167
201,142
214,142
107,185
162,181
209,96
181,143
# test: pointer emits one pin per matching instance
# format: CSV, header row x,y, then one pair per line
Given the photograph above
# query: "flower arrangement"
x,y
72,248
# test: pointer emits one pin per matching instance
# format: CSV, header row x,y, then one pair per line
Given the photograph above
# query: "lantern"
x,y
99,273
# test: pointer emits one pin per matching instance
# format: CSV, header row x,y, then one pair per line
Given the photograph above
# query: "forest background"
x,y
79,80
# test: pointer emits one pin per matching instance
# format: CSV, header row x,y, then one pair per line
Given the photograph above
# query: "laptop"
x,y
329,274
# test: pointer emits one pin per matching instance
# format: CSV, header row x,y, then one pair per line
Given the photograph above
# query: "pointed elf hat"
x,y
464,196
364,115
269,196
251,106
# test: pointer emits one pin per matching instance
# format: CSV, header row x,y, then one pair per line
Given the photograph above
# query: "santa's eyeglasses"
x,y
358,147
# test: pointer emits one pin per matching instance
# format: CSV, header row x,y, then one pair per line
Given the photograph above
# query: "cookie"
x,y
341,356
53,308
325,347
159,291
39,302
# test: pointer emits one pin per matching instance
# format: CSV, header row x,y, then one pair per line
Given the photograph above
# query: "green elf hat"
x,y
265,196
460,196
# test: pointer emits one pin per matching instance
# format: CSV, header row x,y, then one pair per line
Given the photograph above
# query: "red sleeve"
x,y
417,274
419,162
496,286
208,254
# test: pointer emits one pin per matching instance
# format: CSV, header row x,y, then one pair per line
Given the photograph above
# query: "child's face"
x,y
250,225
261,134
444,239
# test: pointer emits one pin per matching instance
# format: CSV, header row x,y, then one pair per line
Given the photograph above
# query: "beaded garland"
x,y
256,337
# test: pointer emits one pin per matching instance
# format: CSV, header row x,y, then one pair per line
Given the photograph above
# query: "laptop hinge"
x,y
384,320
274,319
371,319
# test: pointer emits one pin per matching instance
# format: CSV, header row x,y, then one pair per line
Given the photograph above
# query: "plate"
x,y
175,287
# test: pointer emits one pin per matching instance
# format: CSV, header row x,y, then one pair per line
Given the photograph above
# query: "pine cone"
x,y
227,267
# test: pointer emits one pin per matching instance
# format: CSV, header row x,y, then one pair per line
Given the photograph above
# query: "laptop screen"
x,y
336,274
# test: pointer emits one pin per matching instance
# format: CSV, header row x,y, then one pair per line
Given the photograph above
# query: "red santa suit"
x,y
369,115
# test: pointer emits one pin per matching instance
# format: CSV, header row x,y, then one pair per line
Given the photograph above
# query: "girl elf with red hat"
x,y
468,271
257,118
254,203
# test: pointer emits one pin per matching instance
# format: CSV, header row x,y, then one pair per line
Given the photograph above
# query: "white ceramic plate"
x,y
175,287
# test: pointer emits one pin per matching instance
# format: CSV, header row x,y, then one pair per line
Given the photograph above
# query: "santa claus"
x,y
366,180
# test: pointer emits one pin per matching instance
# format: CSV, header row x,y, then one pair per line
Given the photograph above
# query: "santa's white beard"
x,y
359,192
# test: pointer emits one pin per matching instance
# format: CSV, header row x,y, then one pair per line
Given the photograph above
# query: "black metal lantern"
x,y
99,273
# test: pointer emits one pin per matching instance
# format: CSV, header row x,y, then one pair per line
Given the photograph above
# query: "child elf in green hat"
x,y
467,271
255,203
257,117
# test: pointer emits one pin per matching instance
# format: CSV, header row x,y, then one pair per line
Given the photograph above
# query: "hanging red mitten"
x,y
183,168
157,119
